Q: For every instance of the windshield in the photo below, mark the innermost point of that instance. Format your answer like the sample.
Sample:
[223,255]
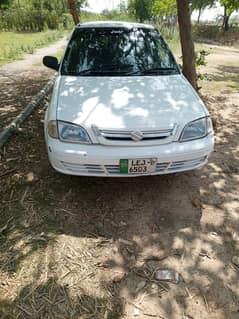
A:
[116,52]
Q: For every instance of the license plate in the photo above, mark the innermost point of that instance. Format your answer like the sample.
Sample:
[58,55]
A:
[138,166]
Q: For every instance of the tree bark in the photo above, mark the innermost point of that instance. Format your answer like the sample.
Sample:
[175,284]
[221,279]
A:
[226,26]
[73,11]
[185,29]
[226,19]
[199,15]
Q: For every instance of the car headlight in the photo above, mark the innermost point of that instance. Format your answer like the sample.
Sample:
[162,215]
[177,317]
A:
[72,133]
[196,129]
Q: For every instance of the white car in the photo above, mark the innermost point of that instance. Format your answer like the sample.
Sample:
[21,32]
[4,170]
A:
[122,107]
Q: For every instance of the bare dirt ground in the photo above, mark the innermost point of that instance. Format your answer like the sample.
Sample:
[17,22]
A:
[21,80]
[77,247]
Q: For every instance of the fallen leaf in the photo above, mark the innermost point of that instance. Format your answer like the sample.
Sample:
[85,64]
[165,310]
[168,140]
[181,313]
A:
[118,277]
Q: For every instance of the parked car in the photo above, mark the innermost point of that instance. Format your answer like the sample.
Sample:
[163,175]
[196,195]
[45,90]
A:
[122,107]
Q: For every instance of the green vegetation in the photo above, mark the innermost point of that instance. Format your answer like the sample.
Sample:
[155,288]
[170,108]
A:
[35,15]
[213,34]
[200,5]
[14,45]
[141,9]
[26,24]
[164,7]
[164,10]
[229,7]
[114,15]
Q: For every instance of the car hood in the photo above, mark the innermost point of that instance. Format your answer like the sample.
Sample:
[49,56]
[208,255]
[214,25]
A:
[133,102]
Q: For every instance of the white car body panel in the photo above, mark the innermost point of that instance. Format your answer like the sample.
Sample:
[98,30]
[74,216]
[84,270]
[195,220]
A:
[139,102]
[99,160]
[126,104]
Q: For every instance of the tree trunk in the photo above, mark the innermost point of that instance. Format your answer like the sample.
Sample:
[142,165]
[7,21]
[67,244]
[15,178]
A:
[199,15]
[226,18]
[185,29]
[73,11]
[226,24]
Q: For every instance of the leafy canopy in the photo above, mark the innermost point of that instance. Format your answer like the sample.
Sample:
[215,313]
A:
[164,7]
[141,9]
[201,4]
[230,5]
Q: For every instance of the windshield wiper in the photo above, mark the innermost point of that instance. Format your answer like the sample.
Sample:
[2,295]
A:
[89,72]
[152,71]
[110,67]
[94,72]
[84,72]
[75,73]
[158,70]
[112,70]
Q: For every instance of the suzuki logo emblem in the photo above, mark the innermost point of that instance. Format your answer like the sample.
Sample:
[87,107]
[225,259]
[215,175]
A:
[137,136]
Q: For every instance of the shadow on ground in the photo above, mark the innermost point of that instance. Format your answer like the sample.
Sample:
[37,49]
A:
[17,91]
[89,247]
[229,74]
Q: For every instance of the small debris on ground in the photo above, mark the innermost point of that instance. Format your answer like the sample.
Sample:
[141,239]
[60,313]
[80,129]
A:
[7,173]
[5,227]
[41,237]
[204,253]
[136,312]
[167,275]
[122,224]
[197,203]
[125,242]
[140,286]
[235,261]
[103,265]
[31,177]
[118,277]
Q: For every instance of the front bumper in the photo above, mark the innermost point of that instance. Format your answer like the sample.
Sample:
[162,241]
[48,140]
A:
[100,160]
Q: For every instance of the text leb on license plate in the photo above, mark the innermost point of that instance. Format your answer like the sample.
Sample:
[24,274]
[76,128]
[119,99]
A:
[138,166]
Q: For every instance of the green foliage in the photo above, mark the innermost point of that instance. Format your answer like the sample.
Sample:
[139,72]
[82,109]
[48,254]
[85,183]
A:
[230,5]
[22,43]
[29,20]
[141,9]
[201,4]
[80,4]
[205,31]
[4,4]
[164,7]
[35,15]
[201,58]
[114,15]
[201,61]
[214,34]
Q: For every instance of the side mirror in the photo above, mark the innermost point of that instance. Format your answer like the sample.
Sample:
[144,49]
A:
[51,62]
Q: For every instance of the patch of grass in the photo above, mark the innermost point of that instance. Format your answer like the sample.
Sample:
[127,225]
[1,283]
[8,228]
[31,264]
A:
[59,54]
[174,45]
[15,45]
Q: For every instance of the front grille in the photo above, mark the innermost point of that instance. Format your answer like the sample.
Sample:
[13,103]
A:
[126,135]
[114,170]
[84,168]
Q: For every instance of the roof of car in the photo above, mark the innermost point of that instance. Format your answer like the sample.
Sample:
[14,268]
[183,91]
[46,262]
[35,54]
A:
[114,24]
